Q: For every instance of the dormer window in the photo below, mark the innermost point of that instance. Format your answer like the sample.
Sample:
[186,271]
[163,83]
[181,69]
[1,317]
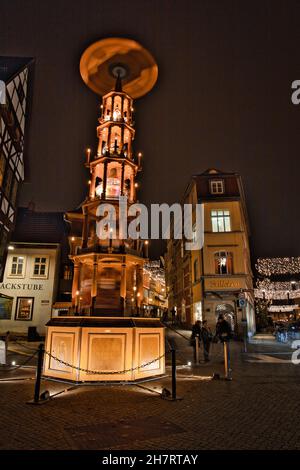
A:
[217,187]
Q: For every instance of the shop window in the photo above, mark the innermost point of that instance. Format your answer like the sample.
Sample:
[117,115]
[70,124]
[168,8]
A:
[24,308]
[6,304]
[223,263]
[220,221]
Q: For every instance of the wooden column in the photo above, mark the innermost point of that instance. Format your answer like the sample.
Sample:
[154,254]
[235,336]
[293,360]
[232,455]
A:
[131,187]
[76,277]
[85,230]
[94,280]
[123,288]
[140,285]
[93,183]
[94,285]
[122,178]
[109,139]
[103,196]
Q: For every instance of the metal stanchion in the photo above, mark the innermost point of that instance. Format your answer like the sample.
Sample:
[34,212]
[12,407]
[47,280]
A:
[6,345]
[173,355]
[227,361]
[165,393]
[37,386]
[197,349]
[38,398]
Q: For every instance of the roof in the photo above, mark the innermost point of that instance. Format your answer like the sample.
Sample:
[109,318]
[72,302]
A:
[214,171]
[234,190]
[41,228]
[11,66]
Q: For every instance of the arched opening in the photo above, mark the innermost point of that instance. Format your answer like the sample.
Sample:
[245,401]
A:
[113,185]
[107,109]
[117,109]
[227,310]
[115,139]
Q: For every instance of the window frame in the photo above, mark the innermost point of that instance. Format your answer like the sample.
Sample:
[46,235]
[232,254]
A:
[218,218]
[216,182]
[47,263]
[11,262]
[229,266]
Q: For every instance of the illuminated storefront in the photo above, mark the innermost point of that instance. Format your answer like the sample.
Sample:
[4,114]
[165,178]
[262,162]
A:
[29,287]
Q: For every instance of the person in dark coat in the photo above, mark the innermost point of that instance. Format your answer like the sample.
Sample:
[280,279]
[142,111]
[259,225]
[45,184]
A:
[206,337]
[173,315]
[196,336]
[224,334]
[223,329]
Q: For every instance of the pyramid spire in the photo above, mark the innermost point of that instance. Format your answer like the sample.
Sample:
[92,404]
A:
[118,85]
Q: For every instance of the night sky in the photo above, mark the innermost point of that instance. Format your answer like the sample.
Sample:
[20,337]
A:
[222,100]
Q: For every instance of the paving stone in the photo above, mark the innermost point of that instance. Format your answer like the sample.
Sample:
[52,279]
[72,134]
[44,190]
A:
[259,409]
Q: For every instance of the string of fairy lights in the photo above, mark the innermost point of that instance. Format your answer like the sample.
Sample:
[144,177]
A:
[271,266]
[155,272]
[268,289]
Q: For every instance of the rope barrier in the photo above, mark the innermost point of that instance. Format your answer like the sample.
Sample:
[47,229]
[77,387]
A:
[20,365]
[24,346]
[174,329]
[101,372]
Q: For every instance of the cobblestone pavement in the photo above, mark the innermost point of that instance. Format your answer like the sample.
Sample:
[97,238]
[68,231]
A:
[258,409]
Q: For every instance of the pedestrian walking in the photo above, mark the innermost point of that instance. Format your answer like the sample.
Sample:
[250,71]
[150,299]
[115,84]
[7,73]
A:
[196,337]
[206,338]
[173,315]
[224,334]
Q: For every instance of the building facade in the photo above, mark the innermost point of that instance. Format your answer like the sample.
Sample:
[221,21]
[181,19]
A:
[38,273]
[217,278]
[29,287]
[14,77]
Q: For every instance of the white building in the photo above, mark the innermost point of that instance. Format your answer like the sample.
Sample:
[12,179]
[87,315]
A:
[29,286]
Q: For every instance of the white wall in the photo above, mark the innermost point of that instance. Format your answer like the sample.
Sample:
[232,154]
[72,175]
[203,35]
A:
[42,289]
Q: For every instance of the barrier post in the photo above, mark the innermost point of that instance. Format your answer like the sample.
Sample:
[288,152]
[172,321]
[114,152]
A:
[173,355]
[227,361]
[37,387]
[6,345]
[197,349]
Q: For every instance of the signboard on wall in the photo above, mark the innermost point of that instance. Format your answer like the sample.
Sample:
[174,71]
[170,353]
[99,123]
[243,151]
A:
[224,284]
[24,308]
